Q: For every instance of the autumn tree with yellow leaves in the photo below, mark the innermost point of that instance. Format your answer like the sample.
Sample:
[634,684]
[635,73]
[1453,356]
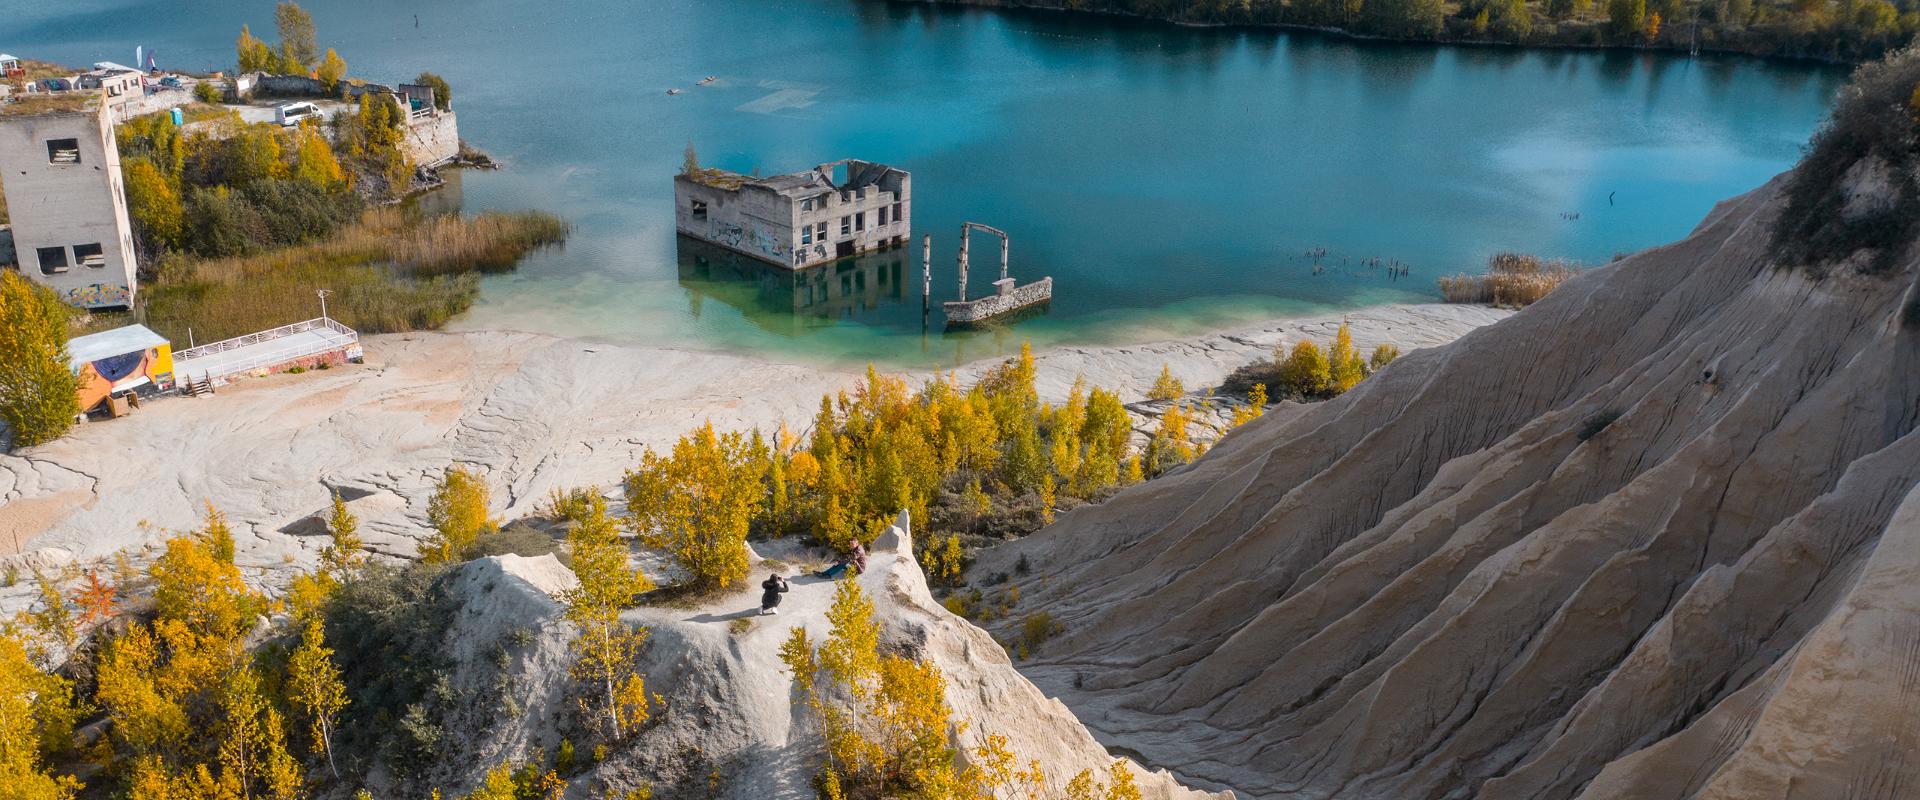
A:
[314,686]
[606,650]
[1166,387]
[458,513]
[883,718]
[697,502]
[189,715]
[37,714]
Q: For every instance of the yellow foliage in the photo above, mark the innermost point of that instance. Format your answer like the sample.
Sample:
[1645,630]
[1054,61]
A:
[458,513]
[1306,371]
[38,394]
[697,502]
[884,719]
[1166,387]
[1170,446]
[343,552]
[314,686]
[1344,364]
[944,560]
[36,718]
[332,69]
[1256,405]
[1382,356]
[607,651]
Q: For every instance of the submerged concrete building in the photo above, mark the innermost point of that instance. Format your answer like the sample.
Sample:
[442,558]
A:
[799,220]
[60,169]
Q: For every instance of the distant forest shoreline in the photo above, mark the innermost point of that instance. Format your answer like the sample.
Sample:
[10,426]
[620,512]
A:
[1847,33]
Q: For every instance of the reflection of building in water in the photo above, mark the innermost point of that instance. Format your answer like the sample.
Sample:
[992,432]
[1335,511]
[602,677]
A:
[842,288]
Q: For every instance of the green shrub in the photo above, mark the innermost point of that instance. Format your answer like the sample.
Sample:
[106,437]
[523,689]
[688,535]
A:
[1874,118]
[1036,628]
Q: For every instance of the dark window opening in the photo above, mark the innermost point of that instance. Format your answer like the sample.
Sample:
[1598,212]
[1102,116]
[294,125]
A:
[63,151]
[90,255]
[846,225]
[883,216]
[843,249]
[699,209]
[896,213]
[52,259]
[860,221]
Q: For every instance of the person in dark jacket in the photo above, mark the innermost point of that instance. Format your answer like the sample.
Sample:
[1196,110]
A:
[771,589]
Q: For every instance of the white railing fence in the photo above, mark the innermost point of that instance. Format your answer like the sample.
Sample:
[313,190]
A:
[254,351]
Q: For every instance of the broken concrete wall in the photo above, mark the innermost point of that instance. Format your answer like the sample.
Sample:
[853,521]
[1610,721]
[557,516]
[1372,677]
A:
[750,220]
[434,139]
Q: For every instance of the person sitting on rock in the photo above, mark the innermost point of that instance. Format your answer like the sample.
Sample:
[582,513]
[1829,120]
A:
[772,588]
[856,559]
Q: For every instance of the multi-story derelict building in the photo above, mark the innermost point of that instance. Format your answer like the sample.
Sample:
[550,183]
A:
[65,196]
[801,219]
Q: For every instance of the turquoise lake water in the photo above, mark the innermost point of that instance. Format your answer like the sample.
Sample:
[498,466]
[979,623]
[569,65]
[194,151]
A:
[1170,179]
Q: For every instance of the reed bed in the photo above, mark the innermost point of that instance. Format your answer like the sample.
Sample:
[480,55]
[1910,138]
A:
[1512,280]
[388,272]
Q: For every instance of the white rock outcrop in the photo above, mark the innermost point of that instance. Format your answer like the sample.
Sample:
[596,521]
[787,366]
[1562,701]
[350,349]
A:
[729,728]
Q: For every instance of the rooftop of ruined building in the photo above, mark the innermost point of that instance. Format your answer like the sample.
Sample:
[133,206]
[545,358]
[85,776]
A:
[26,105]
[794,184]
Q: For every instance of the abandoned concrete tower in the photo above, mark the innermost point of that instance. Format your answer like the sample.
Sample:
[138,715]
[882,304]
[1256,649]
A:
[831,211]
[60,168]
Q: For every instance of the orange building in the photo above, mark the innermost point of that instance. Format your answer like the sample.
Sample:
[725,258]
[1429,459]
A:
[130,359]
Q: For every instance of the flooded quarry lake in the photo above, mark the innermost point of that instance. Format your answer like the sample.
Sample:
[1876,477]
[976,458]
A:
[1169,179]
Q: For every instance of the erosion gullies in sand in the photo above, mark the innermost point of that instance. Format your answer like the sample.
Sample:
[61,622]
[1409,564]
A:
[726,726]
[1653,537]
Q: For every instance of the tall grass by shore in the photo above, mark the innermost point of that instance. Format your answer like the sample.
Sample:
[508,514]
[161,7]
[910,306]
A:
[1512,280]
[388,272]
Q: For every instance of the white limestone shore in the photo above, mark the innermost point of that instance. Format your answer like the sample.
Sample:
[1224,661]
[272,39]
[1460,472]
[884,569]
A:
[531,412]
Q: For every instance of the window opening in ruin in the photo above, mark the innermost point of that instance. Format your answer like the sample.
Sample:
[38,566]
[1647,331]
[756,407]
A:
[90,255]
[63,151]
[52,259]
[699,209]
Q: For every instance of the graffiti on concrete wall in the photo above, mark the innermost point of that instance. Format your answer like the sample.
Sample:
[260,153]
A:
[750,238]
[99,295]
[102,377]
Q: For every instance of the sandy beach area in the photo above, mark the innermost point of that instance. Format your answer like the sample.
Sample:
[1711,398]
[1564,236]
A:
[531,412]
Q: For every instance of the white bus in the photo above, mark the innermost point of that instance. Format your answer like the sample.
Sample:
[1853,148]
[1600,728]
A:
[290,114]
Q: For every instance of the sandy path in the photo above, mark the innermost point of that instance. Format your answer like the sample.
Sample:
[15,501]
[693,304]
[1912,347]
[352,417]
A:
[532,412]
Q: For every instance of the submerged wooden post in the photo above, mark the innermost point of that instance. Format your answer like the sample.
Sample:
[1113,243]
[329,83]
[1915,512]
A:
[963,261]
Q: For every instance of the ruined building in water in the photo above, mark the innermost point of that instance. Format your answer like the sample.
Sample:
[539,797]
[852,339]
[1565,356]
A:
[60,169]
[797,220]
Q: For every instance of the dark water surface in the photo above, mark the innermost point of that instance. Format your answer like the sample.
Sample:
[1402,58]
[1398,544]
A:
[1170,179]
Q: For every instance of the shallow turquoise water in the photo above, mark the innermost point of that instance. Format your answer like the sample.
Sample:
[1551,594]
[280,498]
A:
[1170,179]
